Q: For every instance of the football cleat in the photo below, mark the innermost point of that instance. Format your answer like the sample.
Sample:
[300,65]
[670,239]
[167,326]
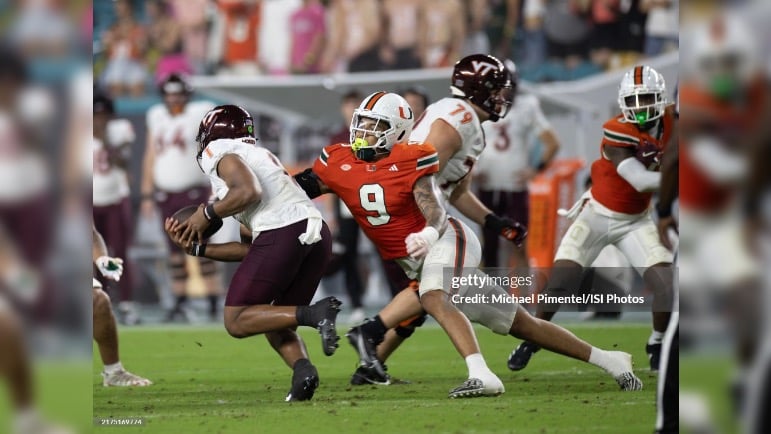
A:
[654,355]
[123,378]
[367,349]
[520,357]
[627,380]
[474,387]
[364,375]
[326,310]
[305,381]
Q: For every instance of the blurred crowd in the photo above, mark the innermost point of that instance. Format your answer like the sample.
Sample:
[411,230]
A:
[138,42]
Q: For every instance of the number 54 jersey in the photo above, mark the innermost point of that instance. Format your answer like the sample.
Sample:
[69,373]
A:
[379,194]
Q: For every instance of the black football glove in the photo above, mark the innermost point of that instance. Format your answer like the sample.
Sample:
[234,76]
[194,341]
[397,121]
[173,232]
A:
[513,231]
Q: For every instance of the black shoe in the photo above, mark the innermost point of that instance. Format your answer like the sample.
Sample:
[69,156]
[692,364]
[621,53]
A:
[305,381]
[364,375]
[325,313]
[366,347]
[654,355]
[520,357]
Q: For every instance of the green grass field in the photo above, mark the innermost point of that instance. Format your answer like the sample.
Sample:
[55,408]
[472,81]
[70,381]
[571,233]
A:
[208,382]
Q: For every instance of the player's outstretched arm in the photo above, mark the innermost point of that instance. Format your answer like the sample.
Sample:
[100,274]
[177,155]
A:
[631,169]
[310,182]
[425,197]
[469,205]
[418,244]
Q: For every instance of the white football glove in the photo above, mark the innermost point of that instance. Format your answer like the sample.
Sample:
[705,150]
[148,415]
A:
[111,268]
[419,243]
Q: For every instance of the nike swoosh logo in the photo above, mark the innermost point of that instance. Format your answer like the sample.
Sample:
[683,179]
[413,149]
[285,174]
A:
[648,154]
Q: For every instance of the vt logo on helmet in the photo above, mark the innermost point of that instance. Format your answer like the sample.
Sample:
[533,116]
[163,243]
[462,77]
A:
[224,122]
[382,120]
[486,82]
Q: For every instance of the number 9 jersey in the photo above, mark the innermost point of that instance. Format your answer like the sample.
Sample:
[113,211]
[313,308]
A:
[379,194]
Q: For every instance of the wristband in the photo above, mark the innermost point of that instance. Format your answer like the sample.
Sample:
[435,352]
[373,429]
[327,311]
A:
[541,166]
[663,211]
[209,213]
[494,222]
[198,249]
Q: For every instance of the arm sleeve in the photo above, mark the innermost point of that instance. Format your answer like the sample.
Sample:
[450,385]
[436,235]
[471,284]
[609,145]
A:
[719,163]
[635,174]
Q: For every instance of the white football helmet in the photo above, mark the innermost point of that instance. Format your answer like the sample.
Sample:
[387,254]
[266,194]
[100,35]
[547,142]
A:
[386,107]
[642,95]
[722,53]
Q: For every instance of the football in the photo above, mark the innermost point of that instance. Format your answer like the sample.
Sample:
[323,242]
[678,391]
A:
[185,213]
[649,155]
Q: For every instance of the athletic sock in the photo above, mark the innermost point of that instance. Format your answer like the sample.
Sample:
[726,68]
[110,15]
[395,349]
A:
[213,304]
[304,316]
[606,360]
[655,338]
[301,363]
[477,367]
[375,329]
[181,299]
[113,368]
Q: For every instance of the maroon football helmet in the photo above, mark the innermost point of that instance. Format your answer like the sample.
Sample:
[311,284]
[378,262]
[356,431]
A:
[484,81]
[224,122]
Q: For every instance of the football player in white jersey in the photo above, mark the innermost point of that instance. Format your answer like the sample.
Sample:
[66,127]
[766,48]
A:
[172,181]
[287,250]
[112,143]
[504,167]
[482,90]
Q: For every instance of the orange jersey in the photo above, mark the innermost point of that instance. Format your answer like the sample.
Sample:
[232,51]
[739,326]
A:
[729,122]
[379,194]
[608,187]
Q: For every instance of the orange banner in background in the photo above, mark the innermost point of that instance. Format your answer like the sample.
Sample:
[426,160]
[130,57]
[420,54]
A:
[553,189]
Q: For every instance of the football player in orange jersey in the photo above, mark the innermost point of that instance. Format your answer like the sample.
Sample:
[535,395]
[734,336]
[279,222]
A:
[389,188]
[616,210]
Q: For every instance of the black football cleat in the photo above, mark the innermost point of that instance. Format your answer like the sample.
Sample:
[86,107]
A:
[325,313]
[654,355]
[366,347]
[364,376]
[520,357]
[305,381]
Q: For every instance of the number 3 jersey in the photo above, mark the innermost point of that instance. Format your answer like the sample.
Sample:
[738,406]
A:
[379,194]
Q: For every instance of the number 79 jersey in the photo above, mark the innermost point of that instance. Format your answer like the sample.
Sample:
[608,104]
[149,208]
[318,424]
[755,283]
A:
[459,114]
[379,194]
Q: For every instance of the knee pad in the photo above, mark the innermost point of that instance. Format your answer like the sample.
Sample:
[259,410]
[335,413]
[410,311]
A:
[406,328]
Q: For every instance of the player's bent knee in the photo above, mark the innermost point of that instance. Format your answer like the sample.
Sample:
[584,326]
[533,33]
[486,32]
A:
[101,300]
[235,330]
[404,331]
[490,306]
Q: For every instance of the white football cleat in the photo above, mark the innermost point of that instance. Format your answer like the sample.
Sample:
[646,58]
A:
[474,387]
[123,378]
[626,379]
